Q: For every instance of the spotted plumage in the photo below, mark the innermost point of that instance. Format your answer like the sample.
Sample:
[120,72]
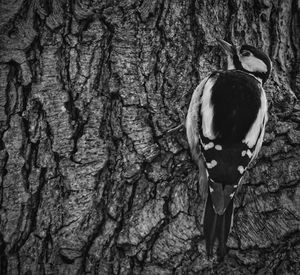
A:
[225,128]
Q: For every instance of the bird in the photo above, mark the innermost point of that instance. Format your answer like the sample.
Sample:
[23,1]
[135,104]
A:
[225,126]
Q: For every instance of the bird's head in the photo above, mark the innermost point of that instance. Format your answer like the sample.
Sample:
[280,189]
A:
[248,59]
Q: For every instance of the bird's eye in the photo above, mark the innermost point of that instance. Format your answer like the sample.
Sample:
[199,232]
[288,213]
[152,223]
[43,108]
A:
[245,53]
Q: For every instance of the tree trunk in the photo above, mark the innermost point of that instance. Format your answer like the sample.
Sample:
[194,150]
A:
[93,181]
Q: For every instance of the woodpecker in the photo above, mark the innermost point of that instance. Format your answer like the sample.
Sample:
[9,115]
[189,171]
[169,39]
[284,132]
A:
[225,126]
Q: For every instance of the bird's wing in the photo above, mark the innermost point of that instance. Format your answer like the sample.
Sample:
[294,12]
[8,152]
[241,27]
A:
[254,137]
[193,121]
[226,161]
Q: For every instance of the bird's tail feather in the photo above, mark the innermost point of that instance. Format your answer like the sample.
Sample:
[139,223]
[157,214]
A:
[209,226]
[216,227]
[224,229]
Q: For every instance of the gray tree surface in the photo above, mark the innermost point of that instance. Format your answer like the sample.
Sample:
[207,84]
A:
[91,179]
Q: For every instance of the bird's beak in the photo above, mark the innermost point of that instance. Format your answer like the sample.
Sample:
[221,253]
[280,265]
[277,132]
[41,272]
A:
[227,47]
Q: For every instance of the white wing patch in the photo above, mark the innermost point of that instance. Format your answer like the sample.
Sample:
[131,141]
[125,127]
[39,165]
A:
[192,130]
[249,154]
[208,146]
[218,147]
[207,110]
[211,164]
[258,126]
[241,169]
[192,118]
[263,126]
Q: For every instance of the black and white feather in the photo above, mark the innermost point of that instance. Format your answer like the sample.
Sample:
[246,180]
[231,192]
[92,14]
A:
[225,127]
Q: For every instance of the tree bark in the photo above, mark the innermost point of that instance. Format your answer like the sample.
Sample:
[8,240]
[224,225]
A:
[92,181]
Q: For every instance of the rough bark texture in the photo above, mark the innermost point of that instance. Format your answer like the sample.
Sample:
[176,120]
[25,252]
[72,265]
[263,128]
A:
[91,180]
